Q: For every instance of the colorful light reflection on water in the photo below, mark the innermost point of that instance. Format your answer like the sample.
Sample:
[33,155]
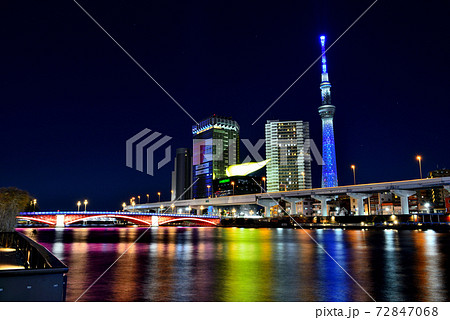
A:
[237,264]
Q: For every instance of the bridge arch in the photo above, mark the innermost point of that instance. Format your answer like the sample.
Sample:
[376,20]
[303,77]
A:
[128,218]
[188,219]
[49,222]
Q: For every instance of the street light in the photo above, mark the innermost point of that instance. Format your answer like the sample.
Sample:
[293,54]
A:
[419,158]
[139,199]
[264,183]
[173,206]
[123,206]
[159,196]
[148,198]
[232,183]
[34,204]
[85,204]
[161,208]
[133,204]
[78,205]
[208,186]
[354,173]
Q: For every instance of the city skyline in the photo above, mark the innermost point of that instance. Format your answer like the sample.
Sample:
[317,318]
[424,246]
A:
[68,108]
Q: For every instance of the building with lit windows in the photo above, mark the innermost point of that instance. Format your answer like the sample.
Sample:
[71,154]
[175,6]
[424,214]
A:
[238,185]
[215,148]
[244,178]
[287,148]
[438,195]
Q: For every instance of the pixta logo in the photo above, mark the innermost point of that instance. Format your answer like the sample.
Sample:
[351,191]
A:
[285,147]
[146,141]
[207,150]
[213,149]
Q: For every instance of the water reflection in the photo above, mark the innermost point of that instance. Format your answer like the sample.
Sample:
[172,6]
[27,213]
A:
[236,264]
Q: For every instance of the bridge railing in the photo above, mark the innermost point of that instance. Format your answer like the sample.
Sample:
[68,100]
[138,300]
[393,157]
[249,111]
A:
[34,255]
[43,277]
[113,213]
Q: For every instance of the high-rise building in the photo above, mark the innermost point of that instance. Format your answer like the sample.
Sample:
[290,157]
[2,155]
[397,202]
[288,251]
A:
[326,111]
[216,146]
[182,175]
[438,195]
[287,148]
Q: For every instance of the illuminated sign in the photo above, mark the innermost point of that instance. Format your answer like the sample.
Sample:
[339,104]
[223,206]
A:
[202,171]
[245,168]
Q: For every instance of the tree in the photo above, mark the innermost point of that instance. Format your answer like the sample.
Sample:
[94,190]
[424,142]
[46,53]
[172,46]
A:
[12,201]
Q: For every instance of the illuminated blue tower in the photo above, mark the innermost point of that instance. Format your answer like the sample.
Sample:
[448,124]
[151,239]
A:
[326,111]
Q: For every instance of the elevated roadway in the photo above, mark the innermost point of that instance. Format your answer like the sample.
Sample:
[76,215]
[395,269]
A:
[403,189]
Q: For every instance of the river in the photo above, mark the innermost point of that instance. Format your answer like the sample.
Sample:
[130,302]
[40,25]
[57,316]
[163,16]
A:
[241,264]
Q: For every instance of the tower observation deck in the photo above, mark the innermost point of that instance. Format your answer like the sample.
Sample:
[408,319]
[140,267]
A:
[326,111]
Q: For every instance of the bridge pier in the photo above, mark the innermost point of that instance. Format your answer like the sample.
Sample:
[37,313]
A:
[323,203]
[155,221]
[267,204]
[293,202]
[60,221]
[404,195]
[359,201]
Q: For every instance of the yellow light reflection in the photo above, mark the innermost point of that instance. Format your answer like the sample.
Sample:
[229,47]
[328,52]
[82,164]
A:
[244,279]
[10,267]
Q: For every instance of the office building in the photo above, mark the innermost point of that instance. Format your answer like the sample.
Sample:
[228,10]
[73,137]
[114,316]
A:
[182,175]
[438,195]
[215,148]
[287,148]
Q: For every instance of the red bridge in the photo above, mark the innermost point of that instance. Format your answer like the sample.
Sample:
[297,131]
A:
[66,218]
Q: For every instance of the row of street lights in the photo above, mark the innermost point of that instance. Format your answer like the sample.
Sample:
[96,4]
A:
[133,200]
[33,203]
[148,198]
[418,158]
[85,205]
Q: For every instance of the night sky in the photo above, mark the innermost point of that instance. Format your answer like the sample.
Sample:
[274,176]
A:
[70,97]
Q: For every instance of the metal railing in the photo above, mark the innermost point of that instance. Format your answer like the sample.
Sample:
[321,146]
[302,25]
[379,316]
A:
[33,255]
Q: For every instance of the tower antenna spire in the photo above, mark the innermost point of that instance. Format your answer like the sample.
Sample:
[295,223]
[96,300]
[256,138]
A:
[324,58]
[326,111]
[325,85]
